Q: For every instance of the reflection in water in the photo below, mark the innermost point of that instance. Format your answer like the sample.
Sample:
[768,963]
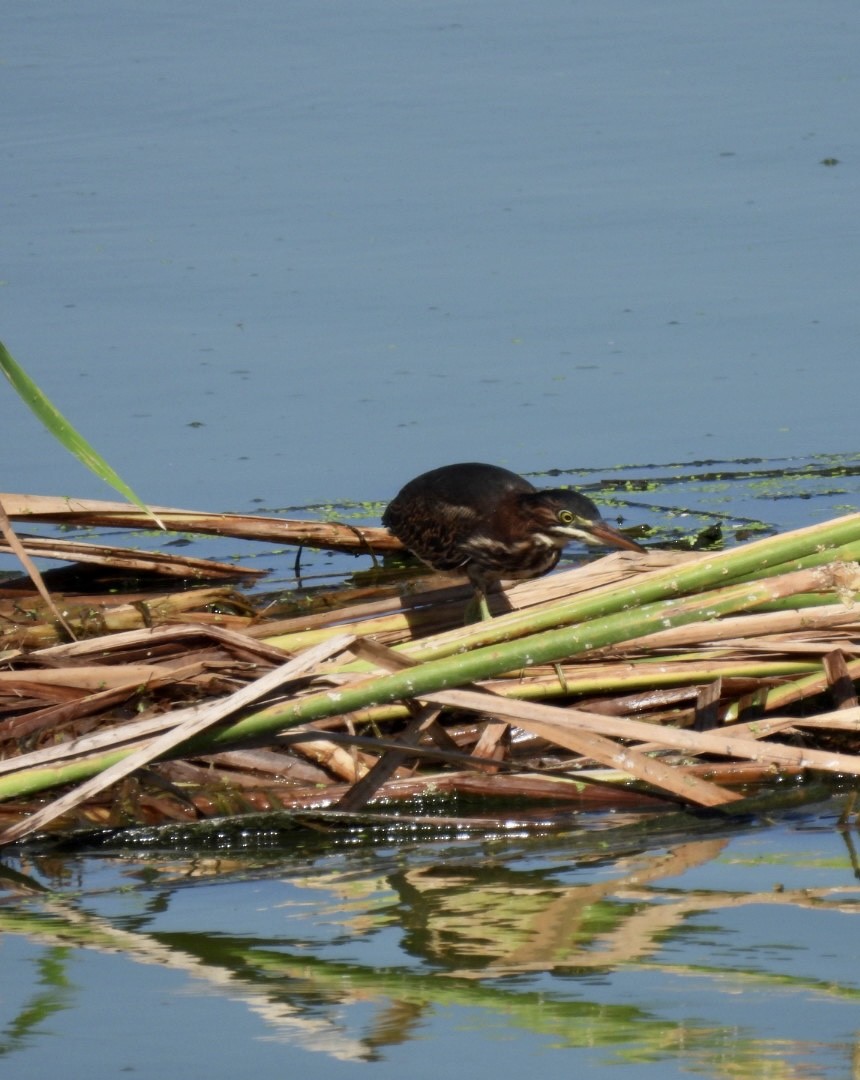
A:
[517,931]
[506,922]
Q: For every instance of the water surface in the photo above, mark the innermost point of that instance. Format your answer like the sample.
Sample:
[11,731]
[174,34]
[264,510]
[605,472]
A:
[301,252]
[675,947]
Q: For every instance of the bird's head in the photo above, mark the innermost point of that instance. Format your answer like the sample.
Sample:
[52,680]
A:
[557,516]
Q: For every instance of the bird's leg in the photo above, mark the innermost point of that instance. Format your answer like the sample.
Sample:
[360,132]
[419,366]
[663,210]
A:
[477,610]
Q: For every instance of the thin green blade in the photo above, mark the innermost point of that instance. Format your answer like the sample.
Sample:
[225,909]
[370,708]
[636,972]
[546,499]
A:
[62,430]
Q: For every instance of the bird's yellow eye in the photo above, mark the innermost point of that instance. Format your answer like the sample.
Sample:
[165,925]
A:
[565,517]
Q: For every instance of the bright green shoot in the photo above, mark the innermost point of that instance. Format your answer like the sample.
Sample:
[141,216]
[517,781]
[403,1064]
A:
[62,430]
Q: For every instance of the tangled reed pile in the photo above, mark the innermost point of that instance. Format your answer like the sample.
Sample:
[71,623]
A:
[665,678]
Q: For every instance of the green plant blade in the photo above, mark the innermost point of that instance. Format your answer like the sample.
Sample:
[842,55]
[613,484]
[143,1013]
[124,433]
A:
[62,430]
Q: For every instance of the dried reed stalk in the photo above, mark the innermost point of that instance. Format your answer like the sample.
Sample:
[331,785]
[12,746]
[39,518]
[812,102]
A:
[318,534]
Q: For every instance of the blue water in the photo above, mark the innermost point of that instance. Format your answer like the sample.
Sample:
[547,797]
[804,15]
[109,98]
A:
[356,241]
[700,951]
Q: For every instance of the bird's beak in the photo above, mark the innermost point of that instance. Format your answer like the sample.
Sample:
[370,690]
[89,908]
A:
[601,532]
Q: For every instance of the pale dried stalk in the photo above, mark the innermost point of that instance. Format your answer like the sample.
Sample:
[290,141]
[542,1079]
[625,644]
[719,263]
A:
[735,630]
[549,721]
[102,618]
[174,634]
[20,552]
[589,740]
[337,759]
[329,535]
[91,678]
[131,559]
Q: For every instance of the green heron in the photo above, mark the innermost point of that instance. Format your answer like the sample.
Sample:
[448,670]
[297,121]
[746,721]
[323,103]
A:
[490,524]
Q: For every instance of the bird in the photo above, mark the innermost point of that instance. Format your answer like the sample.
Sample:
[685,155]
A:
[490,523]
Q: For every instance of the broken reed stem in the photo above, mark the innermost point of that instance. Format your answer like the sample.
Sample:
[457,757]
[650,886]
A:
[320,534]
[545,720]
